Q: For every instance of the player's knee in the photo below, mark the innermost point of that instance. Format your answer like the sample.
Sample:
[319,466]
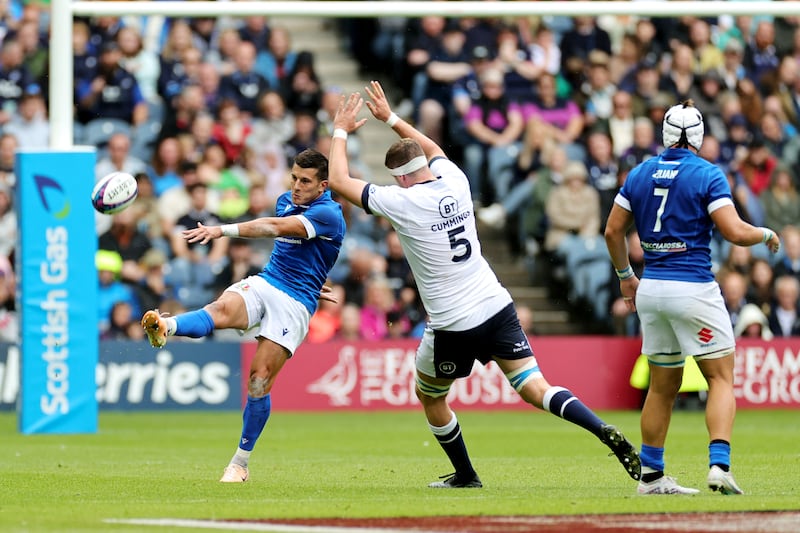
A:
[258,385]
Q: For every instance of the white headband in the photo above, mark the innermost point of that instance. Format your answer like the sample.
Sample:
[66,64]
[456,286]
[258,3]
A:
[412,166]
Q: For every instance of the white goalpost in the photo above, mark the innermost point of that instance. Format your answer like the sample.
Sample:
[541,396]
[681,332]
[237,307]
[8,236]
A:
[63,11]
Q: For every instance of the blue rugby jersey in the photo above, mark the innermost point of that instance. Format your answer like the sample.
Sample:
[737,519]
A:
[299,267]
[671,197]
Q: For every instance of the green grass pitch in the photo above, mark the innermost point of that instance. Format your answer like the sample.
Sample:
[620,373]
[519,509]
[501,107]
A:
[373,464]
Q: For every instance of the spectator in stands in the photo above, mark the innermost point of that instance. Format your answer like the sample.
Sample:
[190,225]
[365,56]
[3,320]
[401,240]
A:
[274,123]
[552,117]
[379,300]
[789,264]
[241,263]
[111,289]
[514,60]
[256,30]
[222,57]
[8,222]
[644,143]
[142,63]
[781,200]
[577,43]
[448,65]
[15,78]
[706,54]
[119,158]
[733,147]
[349,324]
[125,238]
[231,131]
[598,91]
[753,323]
[784,317]
[84,60]
[9,319]
[244,85]
[603,171]
[646,86]
[302,86]
[208,78]
[760,288]
[163,169]
[113,93]
[421,49]
[326,322]
[177,74]
[277,60]
[194,264]
[707,90]
[776,138]
[573,208]
[8,150]
[29,123]
[153,289]
[121,319]
[733,285]
[760,56]
[35,51]
[177,202]
[205,35]
[306,132]
[182,111]
[757,166]
[494,124]
[545,52]
[146,205]
[732,69]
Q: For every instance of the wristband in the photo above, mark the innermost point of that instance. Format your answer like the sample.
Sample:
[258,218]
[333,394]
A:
[392,120]
[625,273]
[230,230]
[767,235]
[339,133]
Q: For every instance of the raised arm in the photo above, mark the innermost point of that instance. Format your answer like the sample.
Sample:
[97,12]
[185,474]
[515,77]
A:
[344,122]
[380,109]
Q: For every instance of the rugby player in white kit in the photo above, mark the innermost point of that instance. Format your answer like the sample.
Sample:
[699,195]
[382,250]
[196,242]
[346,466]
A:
[471,315]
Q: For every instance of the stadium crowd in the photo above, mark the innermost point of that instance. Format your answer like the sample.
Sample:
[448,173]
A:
[545,114]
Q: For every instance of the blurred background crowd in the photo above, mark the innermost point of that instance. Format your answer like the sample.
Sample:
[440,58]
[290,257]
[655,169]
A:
[545,114]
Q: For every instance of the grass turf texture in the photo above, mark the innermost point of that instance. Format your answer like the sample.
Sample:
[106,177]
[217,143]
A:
[156,465]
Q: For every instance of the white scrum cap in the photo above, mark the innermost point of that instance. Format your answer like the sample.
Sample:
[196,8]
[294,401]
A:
[683,122]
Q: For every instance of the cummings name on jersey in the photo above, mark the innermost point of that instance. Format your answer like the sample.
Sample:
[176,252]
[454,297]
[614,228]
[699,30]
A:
[450,222]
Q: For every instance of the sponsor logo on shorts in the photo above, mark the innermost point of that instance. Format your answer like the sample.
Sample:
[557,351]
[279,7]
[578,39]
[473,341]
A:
[447,367]
[521,346]
[705,335]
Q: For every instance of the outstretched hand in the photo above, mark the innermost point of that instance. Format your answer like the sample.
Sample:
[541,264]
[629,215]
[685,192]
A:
[379,106]
[201,233]
[346,114]
[326,293]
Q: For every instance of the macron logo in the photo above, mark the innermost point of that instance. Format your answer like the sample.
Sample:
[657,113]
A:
[285,331]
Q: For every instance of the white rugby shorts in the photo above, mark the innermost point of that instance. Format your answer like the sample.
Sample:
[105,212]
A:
[279,317]
[681,319]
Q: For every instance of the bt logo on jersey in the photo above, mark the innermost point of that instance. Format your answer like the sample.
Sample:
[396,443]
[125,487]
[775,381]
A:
[448,206]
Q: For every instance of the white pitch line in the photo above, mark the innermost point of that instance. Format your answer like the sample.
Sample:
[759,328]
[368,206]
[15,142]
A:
[251,526]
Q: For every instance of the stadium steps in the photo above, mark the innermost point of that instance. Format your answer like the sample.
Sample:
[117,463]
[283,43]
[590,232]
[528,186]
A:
[550,317]
[335,67]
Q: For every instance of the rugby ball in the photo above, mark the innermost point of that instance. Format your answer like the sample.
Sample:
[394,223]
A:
[114,192]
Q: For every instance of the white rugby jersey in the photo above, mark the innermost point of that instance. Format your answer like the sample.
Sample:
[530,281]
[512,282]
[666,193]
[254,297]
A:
[436,225]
